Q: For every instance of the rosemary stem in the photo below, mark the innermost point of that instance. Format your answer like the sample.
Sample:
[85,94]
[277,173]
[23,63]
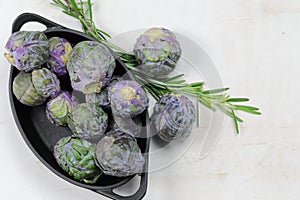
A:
[158,86]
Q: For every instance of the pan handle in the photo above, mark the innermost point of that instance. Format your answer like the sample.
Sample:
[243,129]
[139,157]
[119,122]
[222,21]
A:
[30,17]
[137,196]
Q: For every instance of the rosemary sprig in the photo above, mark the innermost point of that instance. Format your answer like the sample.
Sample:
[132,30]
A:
[213,99]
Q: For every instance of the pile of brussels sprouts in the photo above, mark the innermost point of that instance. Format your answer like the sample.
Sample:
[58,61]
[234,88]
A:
[94,148]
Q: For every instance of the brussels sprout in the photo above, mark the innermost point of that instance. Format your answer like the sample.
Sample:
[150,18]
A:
[132,125]
[60,50]
[157,51]
[88,121]
[118,154]
[128,98]
[76,157]
[58,109]
[90,67]
[102,98]
[45,82]
[27,50]
[25,92]
[173,117]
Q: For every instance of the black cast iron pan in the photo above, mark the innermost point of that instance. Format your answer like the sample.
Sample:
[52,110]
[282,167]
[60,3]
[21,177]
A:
[41,136]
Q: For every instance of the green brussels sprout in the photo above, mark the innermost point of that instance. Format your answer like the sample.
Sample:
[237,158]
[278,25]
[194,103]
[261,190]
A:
[58,108]
[88,121]
[157,51]
[173,117]
[90,66]
[27,50]
[76,157]
[60,50]
[128,99]
[25,92]
[118,154]
[45,82]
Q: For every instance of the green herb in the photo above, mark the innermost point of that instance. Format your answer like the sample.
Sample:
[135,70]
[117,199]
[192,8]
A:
[213,99]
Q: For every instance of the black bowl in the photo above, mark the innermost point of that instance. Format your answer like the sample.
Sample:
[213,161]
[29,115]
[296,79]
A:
[41,136]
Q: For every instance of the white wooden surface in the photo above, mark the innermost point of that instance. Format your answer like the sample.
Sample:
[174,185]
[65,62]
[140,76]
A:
[256,48]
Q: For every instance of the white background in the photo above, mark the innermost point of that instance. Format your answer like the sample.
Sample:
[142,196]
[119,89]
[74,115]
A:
[256,48]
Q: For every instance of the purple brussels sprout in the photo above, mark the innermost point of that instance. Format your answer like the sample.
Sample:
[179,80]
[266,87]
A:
[76,157]
[173,117]
[27,50]
[60,50]
[45,82]
[118,154]
[102,98]
[25,92]
[58,108]
[157,51]
[128,99]
[88,121]
[132,125]
[90,66]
